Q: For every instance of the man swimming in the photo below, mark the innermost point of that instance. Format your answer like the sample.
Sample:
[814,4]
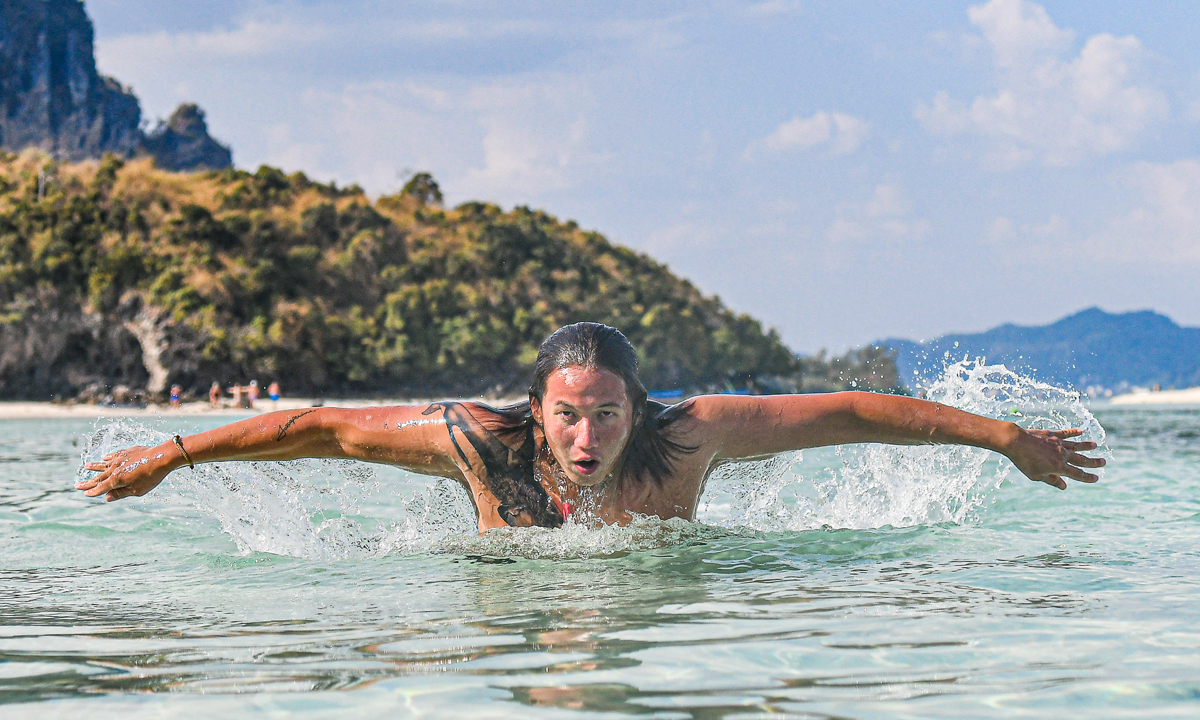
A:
[588,439]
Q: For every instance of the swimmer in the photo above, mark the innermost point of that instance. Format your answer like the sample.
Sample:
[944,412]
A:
[588,439]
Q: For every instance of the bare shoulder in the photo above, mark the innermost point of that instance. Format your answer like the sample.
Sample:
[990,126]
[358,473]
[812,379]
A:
[415,437]
[707,418]
[725,408]
[741,426]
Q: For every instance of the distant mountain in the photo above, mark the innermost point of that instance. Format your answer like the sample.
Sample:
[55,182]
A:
[1090,349]
[52,97]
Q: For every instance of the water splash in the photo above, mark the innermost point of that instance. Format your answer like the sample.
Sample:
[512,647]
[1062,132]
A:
[880,485]
[301,508]
[312,508]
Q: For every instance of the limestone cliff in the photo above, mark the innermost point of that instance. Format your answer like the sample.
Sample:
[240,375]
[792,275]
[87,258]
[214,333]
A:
[52,97]
[183,143]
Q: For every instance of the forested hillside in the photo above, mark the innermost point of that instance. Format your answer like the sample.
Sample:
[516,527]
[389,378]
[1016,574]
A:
[116,273]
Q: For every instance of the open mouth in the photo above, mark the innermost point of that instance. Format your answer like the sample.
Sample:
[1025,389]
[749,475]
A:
[586,467]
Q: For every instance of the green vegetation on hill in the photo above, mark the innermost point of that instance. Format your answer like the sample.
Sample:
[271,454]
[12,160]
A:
[116,273]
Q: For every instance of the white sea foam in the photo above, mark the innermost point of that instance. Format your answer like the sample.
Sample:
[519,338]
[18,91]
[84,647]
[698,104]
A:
[310,508]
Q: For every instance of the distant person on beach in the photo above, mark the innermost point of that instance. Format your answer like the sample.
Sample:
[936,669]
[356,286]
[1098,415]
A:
[175,391]
[273,393]
[214,395]
[236,392]
[252,394]
[589,441]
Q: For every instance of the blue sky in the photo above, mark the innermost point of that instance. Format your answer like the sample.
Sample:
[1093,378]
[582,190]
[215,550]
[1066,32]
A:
[843,171]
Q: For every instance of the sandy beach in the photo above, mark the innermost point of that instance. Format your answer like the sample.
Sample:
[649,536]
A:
[46,410]
[1162,397]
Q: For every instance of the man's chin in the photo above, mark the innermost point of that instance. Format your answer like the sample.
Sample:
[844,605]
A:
[589,480]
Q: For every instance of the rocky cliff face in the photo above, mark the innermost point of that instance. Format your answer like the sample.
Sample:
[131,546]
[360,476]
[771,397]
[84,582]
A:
[52,97]
[183,143]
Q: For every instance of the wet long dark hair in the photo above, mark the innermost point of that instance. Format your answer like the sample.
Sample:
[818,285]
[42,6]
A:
[650,453]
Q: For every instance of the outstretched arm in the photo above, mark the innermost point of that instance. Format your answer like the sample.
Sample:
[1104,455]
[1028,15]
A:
[743,427]
[401,436]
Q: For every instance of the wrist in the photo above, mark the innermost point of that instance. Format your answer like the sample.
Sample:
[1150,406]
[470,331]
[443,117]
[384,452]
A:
[1007,438]
[171,455]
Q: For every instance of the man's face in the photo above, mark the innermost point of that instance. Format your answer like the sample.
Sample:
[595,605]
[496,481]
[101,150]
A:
[587,418]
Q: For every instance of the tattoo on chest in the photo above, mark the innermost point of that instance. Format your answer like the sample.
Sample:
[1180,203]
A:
[284,428]
[506,473]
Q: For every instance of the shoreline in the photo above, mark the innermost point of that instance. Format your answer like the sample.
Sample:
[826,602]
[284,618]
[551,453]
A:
[33,410]
[1161,397]
[20,410]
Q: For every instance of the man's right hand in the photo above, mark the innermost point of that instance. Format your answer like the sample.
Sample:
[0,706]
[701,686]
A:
[133,471]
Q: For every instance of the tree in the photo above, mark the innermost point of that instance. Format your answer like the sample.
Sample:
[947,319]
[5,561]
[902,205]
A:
[424,189]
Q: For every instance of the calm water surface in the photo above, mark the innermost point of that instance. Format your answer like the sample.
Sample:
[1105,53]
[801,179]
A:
[858,583]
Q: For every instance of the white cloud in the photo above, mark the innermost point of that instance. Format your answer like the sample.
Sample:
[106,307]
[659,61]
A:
[534,134]
[1000,231]
[252,38]
[286,151]
[840,132]
[683,237]
[282,30]
[1050,107]
[1012,245]
[771,9]
[883,220]
[1021,34]
[491,140]
[1056,229]
[1164,227]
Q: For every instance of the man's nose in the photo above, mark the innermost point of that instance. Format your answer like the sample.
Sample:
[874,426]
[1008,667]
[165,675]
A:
[586,435]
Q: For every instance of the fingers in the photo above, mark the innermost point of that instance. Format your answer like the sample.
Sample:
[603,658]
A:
[1055,458]
[1081,475]
[106,473]
[1086,461]
[1061,434]
[107,486]
[108,466]
[118,493]
[105,482]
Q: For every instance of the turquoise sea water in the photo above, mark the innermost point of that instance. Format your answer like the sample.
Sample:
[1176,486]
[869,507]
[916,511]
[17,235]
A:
[862,582]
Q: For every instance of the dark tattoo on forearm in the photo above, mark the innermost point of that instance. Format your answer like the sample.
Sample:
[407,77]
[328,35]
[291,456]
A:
[507,473]
[284,428]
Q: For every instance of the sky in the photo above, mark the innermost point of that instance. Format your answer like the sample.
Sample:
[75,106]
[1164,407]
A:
[844,172]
